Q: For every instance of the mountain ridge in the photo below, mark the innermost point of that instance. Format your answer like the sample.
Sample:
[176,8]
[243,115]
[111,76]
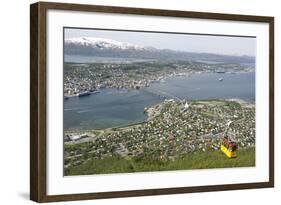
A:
[102,47]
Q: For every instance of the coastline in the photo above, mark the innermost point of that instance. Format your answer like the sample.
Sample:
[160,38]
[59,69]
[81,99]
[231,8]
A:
[159,79]
[151,114]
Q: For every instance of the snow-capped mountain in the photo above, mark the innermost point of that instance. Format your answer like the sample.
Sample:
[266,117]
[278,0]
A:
[102,43]
[101,47]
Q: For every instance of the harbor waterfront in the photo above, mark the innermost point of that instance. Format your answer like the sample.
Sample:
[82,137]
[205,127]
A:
[120,107]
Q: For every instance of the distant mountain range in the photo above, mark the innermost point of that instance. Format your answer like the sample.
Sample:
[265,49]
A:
[100,47]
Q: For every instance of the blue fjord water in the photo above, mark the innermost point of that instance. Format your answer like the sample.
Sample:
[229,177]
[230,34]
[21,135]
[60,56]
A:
[112,107]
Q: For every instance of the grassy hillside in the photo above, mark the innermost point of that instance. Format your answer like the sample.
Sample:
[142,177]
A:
[215,159]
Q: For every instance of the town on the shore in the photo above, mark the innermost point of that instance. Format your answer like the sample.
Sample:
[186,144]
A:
[85,79]
[173,129]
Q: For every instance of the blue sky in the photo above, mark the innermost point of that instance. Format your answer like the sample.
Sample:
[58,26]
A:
[184,42]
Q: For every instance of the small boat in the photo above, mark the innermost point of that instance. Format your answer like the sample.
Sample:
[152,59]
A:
[220,79]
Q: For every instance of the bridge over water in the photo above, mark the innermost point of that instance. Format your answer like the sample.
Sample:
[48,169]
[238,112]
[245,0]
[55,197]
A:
[163,94]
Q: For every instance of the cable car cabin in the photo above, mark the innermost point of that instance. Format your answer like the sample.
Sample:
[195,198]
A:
[229,147]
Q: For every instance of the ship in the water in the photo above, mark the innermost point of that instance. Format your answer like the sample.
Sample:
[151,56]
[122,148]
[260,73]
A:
[220,79]
[95,92]
[87,93]
[83,94]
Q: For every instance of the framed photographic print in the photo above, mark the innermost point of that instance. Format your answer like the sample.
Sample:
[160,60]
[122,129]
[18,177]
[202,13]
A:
[135,102]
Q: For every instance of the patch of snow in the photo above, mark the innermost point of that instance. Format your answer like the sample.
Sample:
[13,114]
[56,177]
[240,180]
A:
[103,43]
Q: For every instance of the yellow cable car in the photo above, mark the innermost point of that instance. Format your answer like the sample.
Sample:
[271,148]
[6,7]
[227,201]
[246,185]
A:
[229,147]
[228,144]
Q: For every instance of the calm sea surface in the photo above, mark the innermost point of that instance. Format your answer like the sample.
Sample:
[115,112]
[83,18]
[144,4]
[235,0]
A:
[95,59]
[111,107]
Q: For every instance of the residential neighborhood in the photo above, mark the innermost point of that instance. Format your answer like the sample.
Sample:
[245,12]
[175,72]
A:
[173,129]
